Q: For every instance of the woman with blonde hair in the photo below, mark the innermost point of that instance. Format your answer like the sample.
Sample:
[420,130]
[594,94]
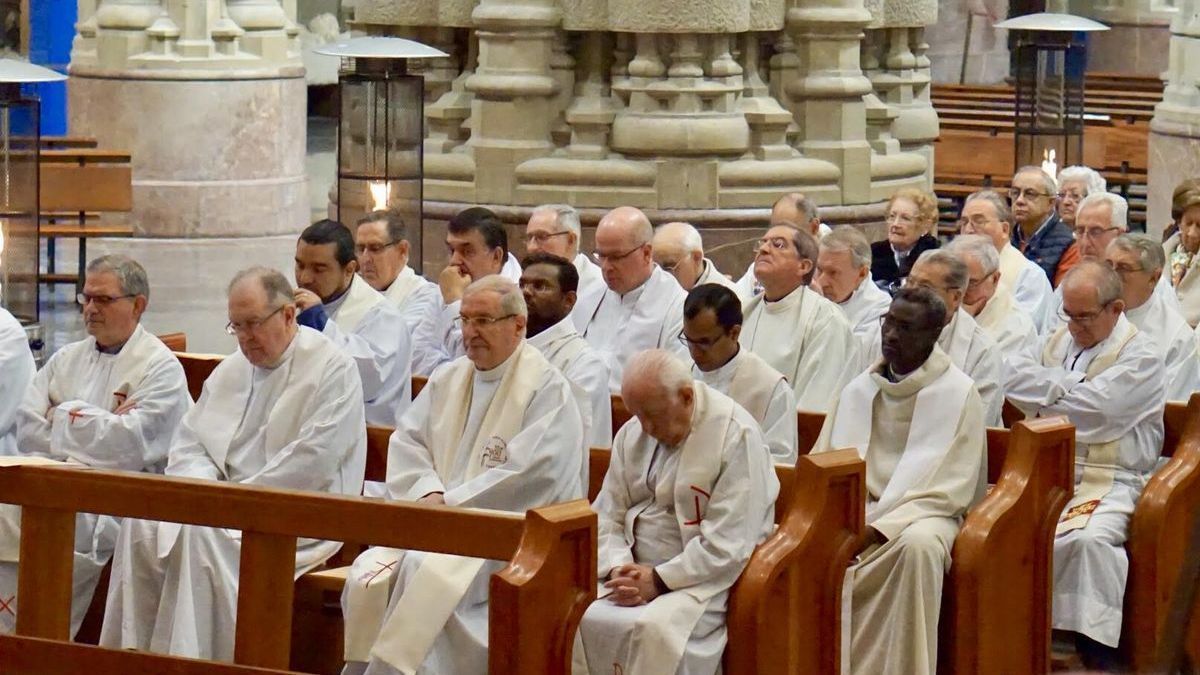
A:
[1181,250]
[911,217]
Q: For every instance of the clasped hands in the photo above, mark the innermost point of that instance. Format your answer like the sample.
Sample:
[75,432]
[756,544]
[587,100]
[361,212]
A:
[632,585]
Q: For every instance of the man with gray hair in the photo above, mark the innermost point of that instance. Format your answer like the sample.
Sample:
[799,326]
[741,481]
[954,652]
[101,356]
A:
[1107,378]
[844,278]
[795,210]
[498,428]
[1139,261]
[285,411]
[112,400]
[991,304]
[555,229]
[1038,231]
[689,493]
[679,250]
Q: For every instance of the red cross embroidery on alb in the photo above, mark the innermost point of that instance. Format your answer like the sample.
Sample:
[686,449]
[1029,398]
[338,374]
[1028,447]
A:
[6,605]
[74,415]
[371,576]
[699,511]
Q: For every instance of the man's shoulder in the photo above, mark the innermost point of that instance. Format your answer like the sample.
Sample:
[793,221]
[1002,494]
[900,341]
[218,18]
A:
[313,350]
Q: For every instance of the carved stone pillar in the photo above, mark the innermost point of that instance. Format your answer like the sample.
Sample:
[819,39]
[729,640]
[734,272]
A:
[1137,42]
[1175,130]
[899,73]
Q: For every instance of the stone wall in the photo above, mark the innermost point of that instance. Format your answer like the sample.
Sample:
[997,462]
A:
[1175,130]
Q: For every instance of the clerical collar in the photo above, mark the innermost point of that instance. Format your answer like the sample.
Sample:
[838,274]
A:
[115,349]
[635,293]
[336,300]
[498,372]
[1138,314]
[731,363]
[551,333]
[795,292]
[893,376]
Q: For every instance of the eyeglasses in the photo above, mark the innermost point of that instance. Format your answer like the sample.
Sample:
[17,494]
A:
[374,249]
[972,284]
[1072,196]
[671,267]
[900,218]
[540,238]
[478,322]
[702,345]
[777,243]
[100,300]
[1029,194]
[910,283]
[1086,317]
[250,326]
[1092,232]
[613,257]
[1125,269]
[975,225]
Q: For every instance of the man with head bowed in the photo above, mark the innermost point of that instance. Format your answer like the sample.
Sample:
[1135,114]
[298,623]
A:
[988,301]
[689,493]
[679,249]
[555,229]
[284,411]
[112,400]
[918,422]
[496,429]
[643,307]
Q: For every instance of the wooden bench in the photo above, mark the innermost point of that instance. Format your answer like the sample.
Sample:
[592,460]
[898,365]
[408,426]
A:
[540,596]
[176,342]
[197,368]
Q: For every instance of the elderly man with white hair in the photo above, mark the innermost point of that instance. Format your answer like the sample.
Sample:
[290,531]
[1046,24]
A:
[986,213]
[643,306]
[498,428]
[16,362]
[679,249]
[1139,261]
[112,400]
[689,493]
[284,411]
[555,229]
[844,278]
[987,300]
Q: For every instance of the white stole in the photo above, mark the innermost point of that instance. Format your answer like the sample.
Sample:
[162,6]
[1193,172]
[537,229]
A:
[958,339]
[359,300]
[752,384]
[804,320]
[991,318]
[128,370]
[405,283]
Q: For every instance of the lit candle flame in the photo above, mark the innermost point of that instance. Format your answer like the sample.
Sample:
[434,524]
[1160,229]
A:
[379,195]
[1048,165]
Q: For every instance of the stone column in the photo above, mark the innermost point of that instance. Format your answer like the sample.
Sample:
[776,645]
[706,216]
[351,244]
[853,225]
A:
[1175,130]
[1137,41]
[209,98]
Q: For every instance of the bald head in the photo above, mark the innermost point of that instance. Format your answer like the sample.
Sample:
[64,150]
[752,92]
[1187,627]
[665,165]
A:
[623,246]
[679,249]
[796,210]
[657,388]
[1091,302]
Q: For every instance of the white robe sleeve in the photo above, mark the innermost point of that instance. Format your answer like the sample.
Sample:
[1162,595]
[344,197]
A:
[422,312]
[672,327]
[1182,366]
[829,361]
[33,428]
[779,424]
[612,507]
[742,501]
[590,373]
[986,371]
[410,471]
[17,366]
[382,353]
[188,458]
[1032,292]
[451,343]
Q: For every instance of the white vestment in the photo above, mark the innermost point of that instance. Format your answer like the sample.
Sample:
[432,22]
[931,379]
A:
[1116,408]
[648,317]
[373,333]
[590,292]
[765,394]
[694,513]
[863,309]
[748,286]
[712,275]
[924,443]
[87,386]
[511,269]
[807,338]
[299,425]
[420,303]
[566,350]
[1176,342]
[510,438]
[16,363]
[1028,284]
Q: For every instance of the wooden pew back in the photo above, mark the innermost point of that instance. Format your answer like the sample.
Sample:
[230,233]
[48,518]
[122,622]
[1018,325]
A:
[85,179]
[176,342]
[540,596]
[197,368]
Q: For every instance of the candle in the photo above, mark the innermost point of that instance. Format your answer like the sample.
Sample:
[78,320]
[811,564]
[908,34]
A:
[1048,165]
[379,195]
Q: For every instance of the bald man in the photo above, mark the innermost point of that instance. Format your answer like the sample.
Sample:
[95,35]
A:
[643,307]
[679,249]
[793,209]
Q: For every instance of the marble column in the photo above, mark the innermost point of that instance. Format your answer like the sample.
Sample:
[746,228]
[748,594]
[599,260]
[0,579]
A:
[1175,130]
[1136,43]
[209,98]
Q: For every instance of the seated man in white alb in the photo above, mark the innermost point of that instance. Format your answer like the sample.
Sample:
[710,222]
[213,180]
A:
[16,362]
[988,300]
[335,301]
[548,284]
[986,213]
[712,321]
[382,248]
[496,429]
[844,277]
[917,421]
[794,210]
[1107,377]
[792,327]
[555,229]
[1139,261]
[963,340]
[679,249]
[284,411]
[643,307]
[111,401]
[689,493]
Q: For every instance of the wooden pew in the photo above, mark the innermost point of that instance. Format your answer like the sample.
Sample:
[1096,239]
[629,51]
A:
[197,368]
[620,414]
[540,596]
[418,384]
[176,342]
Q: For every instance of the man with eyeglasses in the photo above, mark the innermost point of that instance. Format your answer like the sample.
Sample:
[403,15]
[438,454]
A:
[989,302]
[1039,233]
[792,327]
[112,400]
[17,364]
[917,421]
[555,229]
[844,278]
[496,429]
[1139,261]
[284,411]
[643,306]
[793,209]
[1075,183]
[712,322]
[679,249]
[549,285]
[335,301]
[1108,379]
[382,250]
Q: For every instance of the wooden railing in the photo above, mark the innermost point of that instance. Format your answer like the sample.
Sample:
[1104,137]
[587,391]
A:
[540,596]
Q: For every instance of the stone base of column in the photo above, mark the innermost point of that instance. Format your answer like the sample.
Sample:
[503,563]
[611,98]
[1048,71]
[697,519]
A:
[1130,49]
[1174,154]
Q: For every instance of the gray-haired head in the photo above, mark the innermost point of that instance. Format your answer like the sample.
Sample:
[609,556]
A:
[392,221]
[512,301]
[657,368]
[684,234]
[976,247]
[1048,182]
[848,238]
[129,273]
[954,270]
[1096,275]
[1092,182]
[1118,208]
[1149,251]
[277,287]
[565,217]
[999,204]
[802,204]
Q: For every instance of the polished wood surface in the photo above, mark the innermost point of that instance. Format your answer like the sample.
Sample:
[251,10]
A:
[197,368]
[176,342]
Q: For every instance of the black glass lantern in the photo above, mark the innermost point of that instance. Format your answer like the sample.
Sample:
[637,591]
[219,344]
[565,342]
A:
[381,132]
[1049,62]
